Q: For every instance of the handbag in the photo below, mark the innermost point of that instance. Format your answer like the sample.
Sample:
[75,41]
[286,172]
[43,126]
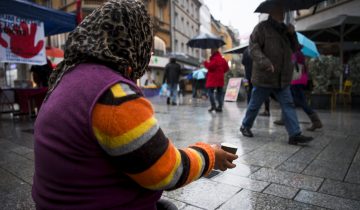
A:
[297,72]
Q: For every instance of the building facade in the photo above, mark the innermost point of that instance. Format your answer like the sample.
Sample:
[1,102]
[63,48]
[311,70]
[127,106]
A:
[185,25]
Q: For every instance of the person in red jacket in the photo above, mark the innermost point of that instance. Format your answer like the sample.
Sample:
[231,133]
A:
[217,67]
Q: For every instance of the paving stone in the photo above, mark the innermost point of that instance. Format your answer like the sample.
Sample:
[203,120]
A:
[326,201]
[353,175]
[189,207]
[178,204]
[22,150]
[341,189]
[22,168]
[292,166]
[248,200]
[327,169]
[340,151]
[204,193]
[281,191]
[264,158]
[19,198]
[242,182]
[242,169]
[288,178]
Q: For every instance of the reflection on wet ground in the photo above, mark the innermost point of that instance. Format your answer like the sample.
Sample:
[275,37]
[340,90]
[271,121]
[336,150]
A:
[270,174]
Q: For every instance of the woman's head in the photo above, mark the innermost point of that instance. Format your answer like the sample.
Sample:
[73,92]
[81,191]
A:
[117,34]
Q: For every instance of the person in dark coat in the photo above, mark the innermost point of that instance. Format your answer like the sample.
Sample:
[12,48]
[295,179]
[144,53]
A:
[271,45]
[41,73]
[217,67]
[171,77]
[247,62]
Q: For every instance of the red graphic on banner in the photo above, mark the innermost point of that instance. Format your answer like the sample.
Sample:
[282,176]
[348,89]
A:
[22,40]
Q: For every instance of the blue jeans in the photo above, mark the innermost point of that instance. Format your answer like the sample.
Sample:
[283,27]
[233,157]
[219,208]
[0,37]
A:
[297,92]
[259,95]
[173,89]
[219,98]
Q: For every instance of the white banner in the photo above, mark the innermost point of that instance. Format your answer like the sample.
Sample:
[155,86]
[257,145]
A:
[21,40]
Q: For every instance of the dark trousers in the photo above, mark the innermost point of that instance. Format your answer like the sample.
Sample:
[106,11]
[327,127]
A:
[297,92]
[219,98]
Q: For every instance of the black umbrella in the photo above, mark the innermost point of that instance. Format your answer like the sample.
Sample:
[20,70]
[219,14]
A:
[206,41]
[289,5]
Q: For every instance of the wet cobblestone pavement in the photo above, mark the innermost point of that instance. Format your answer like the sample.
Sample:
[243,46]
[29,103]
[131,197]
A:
[270,174]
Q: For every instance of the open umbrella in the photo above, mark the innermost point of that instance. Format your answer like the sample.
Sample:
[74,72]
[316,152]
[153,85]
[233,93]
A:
[56,55]
[205,41]
[289,5]
[54,52]
[308,47]
[199,74]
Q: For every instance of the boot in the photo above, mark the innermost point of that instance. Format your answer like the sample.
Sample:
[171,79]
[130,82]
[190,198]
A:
[316,123]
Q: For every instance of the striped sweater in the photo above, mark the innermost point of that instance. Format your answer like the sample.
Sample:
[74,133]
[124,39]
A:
[126,128]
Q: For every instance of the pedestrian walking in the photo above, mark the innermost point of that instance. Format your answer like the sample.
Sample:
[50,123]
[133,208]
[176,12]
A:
[247,62]
[297,91]
[272,72]
[171,77]
[98,144]
[217,67]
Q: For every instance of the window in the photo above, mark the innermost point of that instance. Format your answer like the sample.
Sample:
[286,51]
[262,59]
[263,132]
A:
[182,47]
[63,2]
[161,13]
[176,45]
[176,19]
[159,45]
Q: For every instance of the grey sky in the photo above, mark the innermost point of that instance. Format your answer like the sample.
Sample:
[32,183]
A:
[237,13]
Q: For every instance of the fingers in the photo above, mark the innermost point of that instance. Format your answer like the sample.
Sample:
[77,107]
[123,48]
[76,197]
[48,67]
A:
[33,28]
[24,28]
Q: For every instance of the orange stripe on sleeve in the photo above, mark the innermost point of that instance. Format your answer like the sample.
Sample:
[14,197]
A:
[128,116]
[195,161]
[160,170]
[211,154]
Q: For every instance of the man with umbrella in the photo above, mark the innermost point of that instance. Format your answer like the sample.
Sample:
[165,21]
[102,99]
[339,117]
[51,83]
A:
[271,45]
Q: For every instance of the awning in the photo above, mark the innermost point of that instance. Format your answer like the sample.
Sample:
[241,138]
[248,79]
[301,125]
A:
[334,29]
[55,22]
[238,49]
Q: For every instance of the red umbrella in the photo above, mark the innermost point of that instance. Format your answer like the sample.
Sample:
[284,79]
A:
[54,52]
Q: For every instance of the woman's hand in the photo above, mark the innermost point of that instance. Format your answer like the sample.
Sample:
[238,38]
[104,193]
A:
[223,159]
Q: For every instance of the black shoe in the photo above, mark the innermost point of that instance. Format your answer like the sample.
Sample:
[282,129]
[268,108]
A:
[300,139]
[279,122]
[218,109]
[246,132]
[168,101]
[173,103]
[265,114]
[212,109]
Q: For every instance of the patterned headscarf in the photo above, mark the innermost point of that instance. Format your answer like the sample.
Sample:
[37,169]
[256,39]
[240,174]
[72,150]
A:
[118,35]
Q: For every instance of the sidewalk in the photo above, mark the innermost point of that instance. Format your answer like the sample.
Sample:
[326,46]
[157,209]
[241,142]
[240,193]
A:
[270,174]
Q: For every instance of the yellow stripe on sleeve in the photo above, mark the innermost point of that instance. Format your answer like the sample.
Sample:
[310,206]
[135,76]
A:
[118,91]
[112,142]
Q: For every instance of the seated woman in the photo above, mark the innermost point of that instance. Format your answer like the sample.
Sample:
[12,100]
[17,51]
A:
[98,144]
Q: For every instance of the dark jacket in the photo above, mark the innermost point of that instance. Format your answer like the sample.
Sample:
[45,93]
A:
[172,73]
[247,62]
[217,67]
[271,44]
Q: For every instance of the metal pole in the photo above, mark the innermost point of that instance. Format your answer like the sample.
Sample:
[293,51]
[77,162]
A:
[341,56]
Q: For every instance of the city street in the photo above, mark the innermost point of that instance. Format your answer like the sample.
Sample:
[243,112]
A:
[270,173]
